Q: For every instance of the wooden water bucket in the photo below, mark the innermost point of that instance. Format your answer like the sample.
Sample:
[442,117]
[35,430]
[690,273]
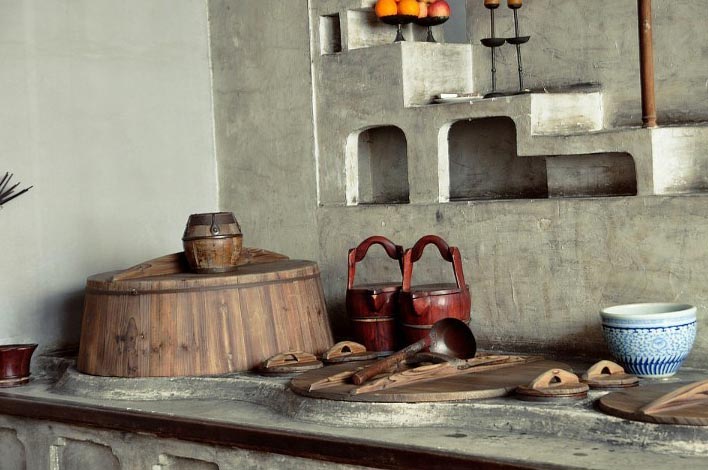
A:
[212,242]
[423,305]
[158,319]
[373,308]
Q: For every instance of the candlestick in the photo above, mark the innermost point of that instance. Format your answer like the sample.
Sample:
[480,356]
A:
[493,42]
[518,40]
[514,4]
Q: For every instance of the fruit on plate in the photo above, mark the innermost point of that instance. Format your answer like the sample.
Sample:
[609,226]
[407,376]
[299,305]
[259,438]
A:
[408,8]
[386,8]
[423,7]
[439,9]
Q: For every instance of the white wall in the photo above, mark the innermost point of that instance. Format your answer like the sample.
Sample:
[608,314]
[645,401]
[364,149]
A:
[106,110]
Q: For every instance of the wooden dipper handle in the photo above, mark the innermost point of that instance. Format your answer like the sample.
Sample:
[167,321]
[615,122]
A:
[382,365]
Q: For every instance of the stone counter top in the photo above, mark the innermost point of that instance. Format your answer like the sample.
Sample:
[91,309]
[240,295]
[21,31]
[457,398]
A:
[261,413]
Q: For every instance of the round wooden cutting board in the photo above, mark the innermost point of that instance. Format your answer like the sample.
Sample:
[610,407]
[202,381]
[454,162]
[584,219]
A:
[631,403]
[472,385]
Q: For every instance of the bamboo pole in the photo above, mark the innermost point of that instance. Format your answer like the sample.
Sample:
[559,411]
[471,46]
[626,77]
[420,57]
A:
[646,63]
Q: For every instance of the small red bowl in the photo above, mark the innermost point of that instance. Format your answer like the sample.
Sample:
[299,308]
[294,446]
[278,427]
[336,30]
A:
[15,364]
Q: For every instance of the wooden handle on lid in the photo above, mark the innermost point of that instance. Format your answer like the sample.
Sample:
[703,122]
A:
[603,368]
[288,358]
[689,395]
[344,348]
[554,378]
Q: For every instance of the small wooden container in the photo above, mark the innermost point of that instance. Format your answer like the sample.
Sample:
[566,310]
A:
[373,308]
[421,306]
[15,364]
[212,242]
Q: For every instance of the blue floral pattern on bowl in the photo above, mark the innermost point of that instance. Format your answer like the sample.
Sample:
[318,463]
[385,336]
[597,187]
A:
[650,351]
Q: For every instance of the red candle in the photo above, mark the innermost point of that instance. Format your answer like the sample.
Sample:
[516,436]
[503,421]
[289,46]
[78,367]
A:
[514,3]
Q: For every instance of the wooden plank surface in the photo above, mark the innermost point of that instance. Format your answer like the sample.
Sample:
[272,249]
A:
[486,384]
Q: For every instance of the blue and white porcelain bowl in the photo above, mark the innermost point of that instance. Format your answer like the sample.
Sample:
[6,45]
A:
[650,340]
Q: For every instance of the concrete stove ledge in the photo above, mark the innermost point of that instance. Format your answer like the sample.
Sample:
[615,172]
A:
[246,411]
[565,419]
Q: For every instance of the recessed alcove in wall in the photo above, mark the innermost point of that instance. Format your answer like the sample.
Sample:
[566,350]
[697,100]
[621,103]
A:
[377,166]
[483,163]
[601,174]
[330,34]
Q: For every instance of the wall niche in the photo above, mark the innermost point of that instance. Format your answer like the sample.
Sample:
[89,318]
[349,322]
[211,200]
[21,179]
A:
[593,175]
[483,163]
[378,166]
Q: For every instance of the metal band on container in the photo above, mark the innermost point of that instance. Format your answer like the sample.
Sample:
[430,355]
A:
[211,237]
[418,327]
[373,319]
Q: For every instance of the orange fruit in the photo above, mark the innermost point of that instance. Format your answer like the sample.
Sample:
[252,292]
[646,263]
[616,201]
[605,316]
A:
[385,8]
[408,7]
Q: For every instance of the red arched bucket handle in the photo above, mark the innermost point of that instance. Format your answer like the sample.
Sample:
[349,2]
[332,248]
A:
[357,254]
[449,253]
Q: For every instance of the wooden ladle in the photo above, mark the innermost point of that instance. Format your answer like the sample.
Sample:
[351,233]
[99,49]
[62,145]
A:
[448,336]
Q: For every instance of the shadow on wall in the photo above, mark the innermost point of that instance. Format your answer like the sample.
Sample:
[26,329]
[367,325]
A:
[484,164]
[71,306]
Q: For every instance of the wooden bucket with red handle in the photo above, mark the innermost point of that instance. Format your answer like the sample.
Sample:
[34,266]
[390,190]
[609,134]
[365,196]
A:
[373,308]
[421,306]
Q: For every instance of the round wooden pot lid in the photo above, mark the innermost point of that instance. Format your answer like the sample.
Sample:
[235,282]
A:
[607,374]
[676,403]
[552,385]
[334,383]
[293,362]
[347,351]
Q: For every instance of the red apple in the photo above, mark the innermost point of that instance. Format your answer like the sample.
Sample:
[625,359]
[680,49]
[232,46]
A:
[439,8]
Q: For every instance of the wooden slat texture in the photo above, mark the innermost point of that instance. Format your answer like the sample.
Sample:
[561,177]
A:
[180,324]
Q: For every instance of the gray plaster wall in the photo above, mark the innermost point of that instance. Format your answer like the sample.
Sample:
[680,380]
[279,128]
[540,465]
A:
[539,270]
[107,111]
[264,121]
[596,41]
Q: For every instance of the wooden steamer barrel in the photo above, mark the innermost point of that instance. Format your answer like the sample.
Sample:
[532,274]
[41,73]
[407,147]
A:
[158,320]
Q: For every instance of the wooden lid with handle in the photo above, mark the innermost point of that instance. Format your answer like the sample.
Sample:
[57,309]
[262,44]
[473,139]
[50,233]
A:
[555,383]
[607,374]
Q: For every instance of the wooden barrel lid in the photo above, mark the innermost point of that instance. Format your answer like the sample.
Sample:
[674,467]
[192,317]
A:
[244,276]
